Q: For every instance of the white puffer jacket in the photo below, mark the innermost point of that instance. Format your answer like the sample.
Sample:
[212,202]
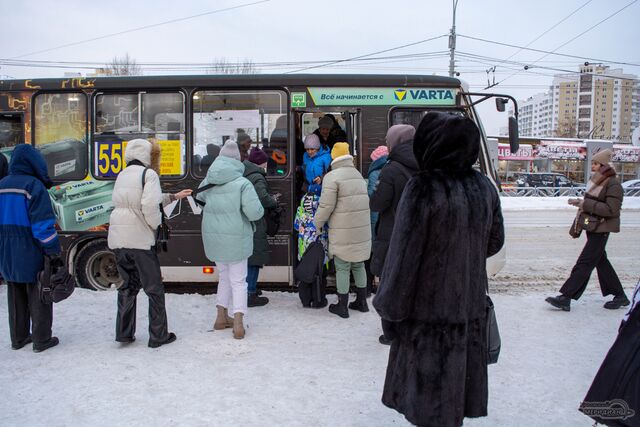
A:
[136,214]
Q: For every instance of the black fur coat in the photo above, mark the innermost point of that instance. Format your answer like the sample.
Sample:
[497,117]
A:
[434,279]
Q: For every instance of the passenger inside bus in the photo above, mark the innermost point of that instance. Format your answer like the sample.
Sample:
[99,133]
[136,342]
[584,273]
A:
[212,152]
[324,131]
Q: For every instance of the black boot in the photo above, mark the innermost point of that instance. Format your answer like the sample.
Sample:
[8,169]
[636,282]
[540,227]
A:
[52,342]
[341,307]
[617,302]
[384,340]
[20,344]
[170,338]
[562,302]
[360,303]
[253,300]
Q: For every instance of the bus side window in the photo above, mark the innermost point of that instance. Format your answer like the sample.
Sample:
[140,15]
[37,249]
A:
[255,118]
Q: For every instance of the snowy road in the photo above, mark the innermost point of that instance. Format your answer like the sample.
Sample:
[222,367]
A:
[309,368]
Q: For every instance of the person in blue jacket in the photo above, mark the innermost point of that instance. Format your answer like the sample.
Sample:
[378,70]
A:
[315,163]
[27,234]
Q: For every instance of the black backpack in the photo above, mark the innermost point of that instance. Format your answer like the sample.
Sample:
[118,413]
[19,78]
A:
[55,284]
[273,218]
[308,276]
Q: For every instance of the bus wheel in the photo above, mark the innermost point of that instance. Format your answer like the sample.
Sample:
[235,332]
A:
[96,267]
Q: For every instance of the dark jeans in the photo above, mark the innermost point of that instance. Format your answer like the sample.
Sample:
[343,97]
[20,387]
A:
[593,256]
[140,269]
[27,314]
[252,278]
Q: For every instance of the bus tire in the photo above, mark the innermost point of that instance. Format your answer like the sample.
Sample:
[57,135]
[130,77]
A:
[95,267]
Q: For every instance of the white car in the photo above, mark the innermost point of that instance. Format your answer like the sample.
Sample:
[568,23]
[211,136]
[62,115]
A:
[632,183]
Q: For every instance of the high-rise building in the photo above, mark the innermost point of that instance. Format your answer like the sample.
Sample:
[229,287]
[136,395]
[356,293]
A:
[597,103]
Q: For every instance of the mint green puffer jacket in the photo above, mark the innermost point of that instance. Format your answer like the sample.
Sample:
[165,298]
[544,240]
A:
[227,232]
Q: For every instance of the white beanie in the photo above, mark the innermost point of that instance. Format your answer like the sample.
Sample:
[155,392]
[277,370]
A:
[312,141]
[230,149]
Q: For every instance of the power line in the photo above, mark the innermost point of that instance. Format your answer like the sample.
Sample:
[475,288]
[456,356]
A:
[366,55]
[171,21]
[548,30]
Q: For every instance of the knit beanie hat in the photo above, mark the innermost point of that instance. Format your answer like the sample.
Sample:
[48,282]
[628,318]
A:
[230,149]
[603,157]
[339,149]
[258,156]
[312,141]
[399,133]
[381,151]
[325,122]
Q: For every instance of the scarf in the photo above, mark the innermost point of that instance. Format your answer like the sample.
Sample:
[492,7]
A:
[599,180]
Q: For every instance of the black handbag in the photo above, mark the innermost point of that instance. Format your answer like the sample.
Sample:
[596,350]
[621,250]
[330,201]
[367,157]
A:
[493,334]
[589,222]
[163,231]
[55,284]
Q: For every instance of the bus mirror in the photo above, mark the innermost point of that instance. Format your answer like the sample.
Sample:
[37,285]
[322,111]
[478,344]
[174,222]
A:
[514,138]
[501,104]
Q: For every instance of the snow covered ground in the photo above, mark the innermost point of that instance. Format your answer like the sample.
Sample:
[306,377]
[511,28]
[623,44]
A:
[545,203]
[295,367]
[301,367]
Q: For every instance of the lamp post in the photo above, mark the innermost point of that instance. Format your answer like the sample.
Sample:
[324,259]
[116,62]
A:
[452,42]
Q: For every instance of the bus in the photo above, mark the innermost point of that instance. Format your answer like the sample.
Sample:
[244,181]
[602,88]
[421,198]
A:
[81,125]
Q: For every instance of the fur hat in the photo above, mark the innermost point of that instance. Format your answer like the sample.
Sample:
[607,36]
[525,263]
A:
[339,149]
[381,151]
[312,141]
[398,134]
[325,122]
[603,157]
[258,156]
[230,149]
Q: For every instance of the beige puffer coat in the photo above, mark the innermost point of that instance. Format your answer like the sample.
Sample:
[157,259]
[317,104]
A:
[136,214]
[344,204]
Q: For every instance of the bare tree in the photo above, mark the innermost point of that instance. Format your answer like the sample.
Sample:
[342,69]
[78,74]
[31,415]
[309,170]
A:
[566,128]
[222,66]
[123,66]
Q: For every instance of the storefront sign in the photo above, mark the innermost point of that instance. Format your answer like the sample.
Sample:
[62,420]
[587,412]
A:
[525,152]
[626,153]
[382,96]
[561,150]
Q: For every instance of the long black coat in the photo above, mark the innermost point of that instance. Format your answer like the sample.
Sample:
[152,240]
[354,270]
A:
[433,283]
[256,175]
[393,177]
[619,374]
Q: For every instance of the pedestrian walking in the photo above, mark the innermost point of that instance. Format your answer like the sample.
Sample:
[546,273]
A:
[401,165]
[255,170]
[433,286]
[27,234]
[344,205]
[600,206]
[315,163]
[619,375]
[227,233]
[138,200]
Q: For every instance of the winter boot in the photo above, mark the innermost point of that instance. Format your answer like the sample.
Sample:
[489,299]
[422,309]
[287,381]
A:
[238,327]
[617,302]
[384,340]
[52,342]
[20,344]
[340,308]
[562,302]
[254,300]
[170,338]
[360,303]
[223,320]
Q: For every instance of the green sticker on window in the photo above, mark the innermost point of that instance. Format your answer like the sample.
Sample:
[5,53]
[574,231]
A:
[299,99]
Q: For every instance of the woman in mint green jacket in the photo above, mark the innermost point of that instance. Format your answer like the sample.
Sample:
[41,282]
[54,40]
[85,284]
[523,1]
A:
[227,233]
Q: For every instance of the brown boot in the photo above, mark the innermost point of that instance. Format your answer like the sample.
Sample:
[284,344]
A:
[238,327]
[223,320]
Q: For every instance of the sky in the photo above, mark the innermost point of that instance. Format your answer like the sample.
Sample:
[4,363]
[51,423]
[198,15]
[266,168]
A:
[271,31]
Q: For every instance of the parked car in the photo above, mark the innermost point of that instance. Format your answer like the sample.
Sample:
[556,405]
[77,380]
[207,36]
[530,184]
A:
[549,184]
[632,183]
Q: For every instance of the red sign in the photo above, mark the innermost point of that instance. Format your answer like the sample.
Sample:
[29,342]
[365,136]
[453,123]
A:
[562,150]
[626,153]
[525,152]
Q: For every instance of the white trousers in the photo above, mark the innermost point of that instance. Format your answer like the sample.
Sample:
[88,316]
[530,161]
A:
[232,286]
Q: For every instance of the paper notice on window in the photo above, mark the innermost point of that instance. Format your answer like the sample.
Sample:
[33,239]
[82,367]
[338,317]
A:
[225,122]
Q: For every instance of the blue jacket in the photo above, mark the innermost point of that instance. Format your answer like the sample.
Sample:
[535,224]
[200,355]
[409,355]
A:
[373,176]
[316,166]
[27,220]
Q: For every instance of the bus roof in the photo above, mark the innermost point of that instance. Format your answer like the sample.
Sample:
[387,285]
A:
[235,80]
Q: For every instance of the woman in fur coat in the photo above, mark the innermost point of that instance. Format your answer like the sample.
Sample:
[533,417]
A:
[434,279]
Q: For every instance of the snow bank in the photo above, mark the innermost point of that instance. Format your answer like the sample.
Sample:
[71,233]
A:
[296,366]
[543,203]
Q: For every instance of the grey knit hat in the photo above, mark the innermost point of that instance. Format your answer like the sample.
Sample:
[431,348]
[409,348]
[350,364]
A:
[230,149]
[398,134]
[312,141]
[325,122]
[603,157]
